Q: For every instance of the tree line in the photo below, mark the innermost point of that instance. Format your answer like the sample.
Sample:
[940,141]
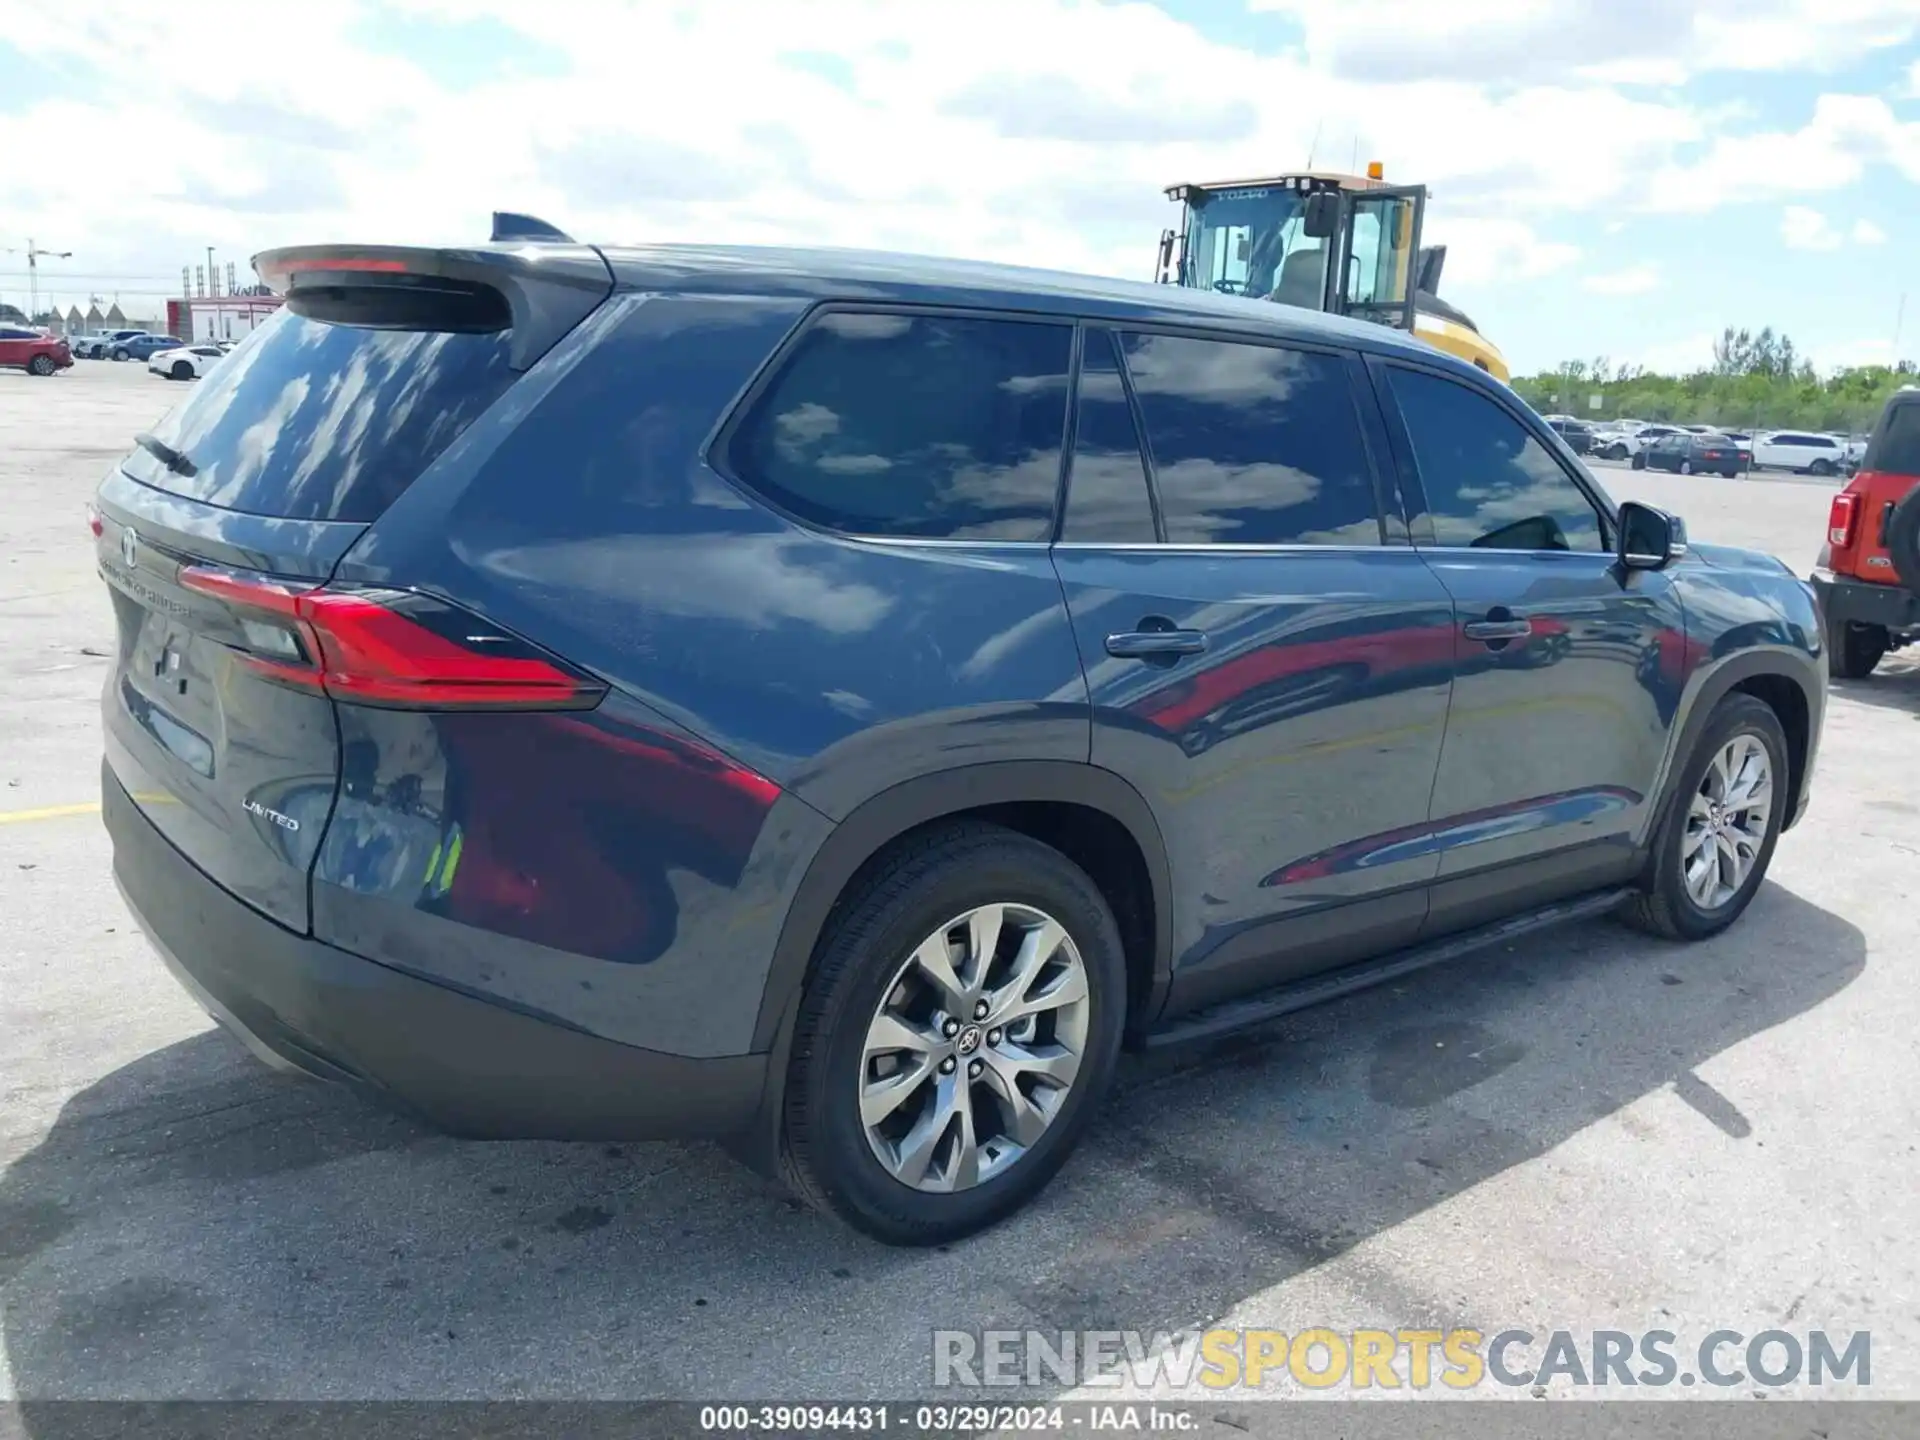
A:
[1758,380]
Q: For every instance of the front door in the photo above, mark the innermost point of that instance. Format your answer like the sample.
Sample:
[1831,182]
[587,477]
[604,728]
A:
[1560,722]
[1268,673]
[1374,274]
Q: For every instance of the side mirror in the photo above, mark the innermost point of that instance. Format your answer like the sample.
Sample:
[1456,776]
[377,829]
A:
[1166,255]
[1321,220]
[1649,539]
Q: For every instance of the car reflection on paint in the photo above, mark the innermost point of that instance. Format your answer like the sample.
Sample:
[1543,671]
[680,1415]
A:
[1293,676]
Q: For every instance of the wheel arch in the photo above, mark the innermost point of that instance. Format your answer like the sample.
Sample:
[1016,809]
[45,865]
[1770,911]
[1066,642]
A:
[996,791]
[1788,683]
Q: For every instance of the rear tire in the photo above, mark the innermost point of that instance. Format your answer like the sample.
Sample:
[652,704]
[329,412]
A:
[122,355]
[41,365]
[1639,462]
[865,973]
[1854,649]
[1686,467]
[1903,540]
[182,370]
[1666,904]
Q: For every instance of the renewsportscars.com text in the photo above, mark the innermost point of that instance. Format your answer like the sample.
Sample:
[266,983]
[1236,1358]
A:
[1458,1359]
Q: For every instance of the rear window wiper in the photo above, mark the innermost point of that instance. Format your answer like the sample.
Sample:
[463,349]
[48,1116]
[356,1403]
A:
[173,459]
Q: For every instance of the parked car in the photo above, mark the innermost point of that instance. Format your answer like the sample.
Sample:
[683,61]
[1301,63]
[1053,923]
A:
[1577,433]
[1799,450]
[95,347]
[34,351]
[1868,573]
[1686,453]
[1625,446]
[140,347]
[189,362]
[934,690]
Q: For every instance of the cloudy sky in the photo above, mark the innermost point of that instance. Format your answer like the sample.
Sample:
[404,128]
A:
[1617,177]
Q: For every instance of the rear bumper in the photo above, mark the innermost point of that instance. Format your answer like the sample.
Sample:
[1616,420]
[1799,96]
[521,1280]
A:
[462,1065]
[1862,602]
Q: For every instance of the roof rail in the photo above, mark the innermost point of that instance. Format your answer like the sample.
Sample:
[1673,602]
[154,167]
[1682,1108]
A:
[510,225]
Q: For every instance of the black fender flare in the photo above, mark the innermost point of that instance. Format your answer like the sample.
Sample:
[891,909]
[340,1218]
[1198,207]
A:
[881,819]
[1799,667]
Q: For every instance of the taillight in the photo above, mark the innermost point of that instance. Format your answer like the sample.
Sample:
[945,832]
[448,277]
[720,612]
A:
[94,523]
[1712,455]
[1840,518]
[397,649]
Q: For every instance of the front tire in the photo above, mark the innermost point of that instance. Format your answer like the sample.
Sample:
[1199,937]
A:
[1722,820]
[1822,468]
[961,1024]
[122,355]
[1853,649]
[41,365]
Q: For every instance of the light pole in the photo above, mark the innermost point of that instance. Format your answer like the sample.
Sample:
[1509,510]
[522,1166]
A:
[33,254]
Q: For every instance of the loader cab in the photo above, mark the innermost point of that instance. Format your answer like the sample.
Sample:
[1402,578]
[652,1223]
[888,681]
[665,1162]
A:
[1335,243]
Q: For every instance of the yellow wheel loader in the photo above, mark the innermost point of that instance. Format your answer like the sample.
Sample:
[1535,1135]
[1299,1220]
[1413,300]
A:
[1344,244]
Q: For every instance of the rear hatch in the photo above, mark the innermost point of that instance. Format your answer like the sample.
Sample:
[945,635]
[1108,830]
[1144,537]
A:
[218,531]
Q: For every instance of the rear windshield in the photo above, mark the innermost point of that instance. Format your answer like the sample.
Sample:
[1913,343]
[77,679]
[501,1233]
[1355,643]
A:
[1895,446]
[313,421]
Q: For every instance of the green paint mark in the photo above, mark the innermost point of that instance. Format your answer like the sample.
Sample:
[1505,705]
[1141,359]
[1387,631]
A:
[433,864]
[453,860]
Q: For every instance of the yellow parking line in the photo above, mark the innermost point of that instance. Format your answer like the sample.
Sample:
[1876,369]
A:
[48,812]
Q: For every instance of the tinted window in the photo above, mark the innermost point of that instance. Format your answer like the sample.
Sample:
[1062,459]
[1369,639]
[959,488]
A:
[1489,482]
[1107,499]
[1252,444]
[1895,446]
[922,426]
[325,422]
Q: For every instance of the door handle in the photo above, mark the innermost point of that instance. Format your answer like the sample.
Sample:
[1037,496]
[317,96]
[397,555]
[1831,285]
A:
[1498,631]
[1156,644]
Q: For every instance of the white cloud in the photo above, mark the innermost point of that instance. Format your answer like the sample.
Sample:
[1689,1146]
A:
[1651,42]
[1805,229]
[1865,232]
[1846,354]
[1634,280]
[1537,123]
[1681,356]
[1830,152]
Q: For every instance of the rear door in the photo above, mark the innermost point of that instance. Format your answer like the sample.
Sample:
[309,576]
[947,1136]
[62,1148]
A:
[1559,722]
[14,343]
[213,536]
[1265,670]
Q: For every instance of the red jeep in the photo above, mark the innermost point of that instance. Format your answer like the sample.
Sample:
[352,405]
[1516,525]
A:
[1868,577]
[33,351]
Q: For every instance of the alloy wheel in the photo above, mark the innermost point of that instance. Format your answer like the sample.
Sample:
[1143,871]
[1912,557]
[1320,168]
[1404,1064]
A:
[974,1047]
[1727,822]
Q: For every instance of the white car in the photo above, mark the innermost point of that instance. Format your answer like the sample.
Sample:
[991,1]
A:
[189,362]
[1627,444]
[1800,450]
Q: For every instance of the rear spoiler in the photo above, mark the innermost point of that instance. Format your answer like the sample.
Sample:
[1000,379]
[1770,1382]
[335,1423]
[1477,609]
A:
[539,293]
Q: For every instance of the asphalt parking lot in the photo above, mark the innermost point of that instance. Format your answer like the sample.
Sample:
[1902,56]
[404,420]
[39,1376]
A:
[1585,1130]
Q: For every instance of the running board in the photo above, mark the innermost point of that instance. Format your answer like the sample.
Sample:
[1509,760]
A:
[1243,1014]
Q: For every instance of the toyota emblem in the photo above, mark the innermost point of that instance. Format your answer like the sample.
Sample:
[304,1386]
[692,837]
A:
[130,548]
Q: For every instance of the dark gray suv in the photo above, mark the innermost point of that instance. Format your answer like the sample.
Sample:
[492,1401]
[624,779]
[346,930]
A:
[835,701]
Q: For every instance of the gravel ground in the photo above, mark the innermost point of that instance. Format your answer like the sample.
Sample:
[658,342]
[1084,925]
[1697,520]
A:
[1584,1130]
